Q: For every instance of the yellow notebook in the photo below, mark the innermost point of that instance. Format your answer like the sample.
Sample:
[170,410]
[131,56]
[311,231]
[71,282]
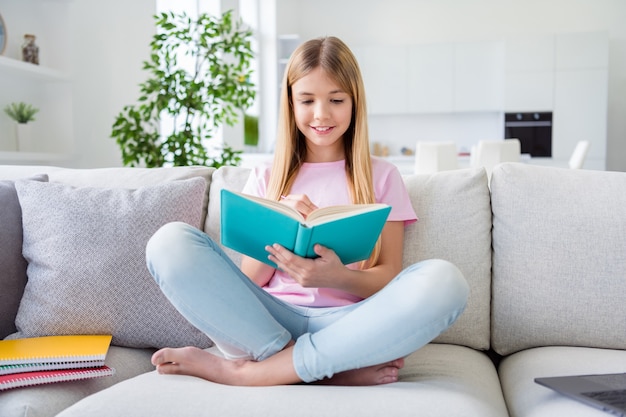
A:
[87,350]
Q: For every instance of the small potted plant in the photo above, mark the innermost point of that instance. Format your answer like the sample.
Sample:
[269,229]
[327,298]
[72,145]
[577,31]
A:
[22,113]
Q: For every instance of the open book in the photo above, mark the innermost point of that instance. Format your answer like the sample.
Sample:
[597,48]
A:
[249,223]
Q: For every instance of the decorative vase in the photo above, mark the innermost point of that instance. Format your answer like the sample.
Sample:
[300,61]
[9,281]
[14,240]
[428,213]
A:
[23,135]
[30,51]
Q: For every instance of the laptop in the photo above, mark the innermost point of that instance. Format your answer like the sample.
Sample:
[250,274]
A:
[606,392]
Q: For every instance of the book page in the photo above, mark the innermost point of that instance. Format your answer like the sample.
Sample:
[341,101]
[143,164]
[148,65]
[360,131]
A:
[318,216]
[331,213]
[275,205]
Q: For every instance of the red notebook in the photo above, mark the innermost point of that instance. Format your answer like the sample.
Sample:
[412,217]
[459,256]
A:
[25,379]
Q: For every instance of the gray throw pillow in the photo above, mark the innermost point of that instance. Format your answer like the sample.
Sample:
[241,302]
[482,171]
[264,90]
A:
[12,263]
[87,271]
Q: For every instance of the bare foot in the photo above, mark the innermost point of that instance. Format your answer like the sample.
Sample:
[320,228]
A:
[385,373]
[195,362]
[276,370]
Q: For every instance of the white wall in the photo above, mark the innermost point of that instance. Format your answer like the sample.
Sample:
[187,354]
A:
[110,41]
[403,22]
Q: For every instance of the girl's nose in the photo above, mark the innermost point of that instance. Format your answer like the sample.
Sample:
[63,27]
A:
[321,111]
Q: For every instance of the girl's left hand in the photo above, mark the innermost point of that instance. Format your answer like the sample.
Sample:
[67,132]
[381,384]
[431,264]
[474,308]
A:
[318,272]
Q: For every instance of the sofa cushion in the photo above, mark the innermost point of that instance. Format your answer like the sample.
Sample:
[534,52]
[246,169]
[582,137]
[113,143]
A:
[559,258]
[525,398]
[130,178]
[86,252]
[455,224]
[48,400]
[230,178]
[12,263]
[438,380]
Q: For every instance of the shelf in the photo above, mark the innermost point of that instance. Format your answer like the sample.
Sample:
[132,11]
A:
[32,71]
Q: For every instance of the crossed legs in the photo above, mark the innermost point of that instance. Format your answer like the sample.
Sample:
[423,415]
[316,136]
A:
[360,344]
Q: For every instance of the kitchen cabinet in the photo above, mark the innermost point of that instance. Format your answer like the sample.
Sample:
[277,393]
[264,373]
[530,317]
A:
[479,76]
[529,72]
[580,112]
[385,74]
[433,78]
[581,50]
[529,91]
[581,95]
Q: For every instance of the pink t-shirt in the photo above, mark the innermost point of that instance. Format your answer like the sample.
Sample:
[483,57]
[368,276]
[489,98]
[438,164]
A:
[325,184]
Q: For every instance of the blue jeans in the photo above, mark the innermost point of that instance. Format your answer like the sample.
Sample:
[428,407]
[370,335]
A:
[244,321]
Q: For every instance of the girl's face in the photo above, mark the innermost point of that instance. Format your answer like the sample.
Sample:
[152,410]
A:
[323,112]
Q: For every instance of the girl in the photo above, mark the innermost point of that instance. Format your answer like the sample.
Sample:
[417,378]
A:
[310,319]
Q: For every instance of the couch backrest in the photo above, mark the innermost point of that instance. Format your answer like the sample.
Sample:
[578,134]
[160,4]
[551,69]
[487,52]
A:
[455,224]
[559,258]
[191,203]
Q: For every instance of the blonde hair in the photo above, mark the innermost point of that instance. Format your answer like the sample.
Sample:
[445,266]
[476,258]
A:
[338,62]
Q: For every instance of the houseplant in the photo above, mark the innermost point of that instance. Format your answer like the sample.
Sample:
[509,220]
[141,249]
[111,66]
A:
[22,113]
[193,102]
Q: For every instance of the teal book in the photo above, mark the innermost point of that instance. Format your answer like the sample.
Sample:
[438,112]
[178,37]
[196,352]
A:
[249,224]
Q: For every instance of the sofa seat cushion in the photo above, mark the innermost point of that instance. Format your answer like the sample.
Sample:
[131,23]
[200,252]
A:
[87,272]
[48,400]
[525,398]
[438,380]
[558,257]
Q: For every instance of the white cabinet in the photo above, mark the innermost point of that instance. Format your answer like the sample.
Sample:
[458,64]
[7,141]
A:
[479,76]
[581,95]
[431,78]
[580,112]
[385,75]
[582,50]
[529,75]
[47,87]
[529,91]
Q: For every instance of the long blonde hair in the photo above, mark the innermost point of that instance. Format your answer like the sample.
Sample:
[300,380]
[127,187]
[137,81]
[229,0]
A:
[338,62]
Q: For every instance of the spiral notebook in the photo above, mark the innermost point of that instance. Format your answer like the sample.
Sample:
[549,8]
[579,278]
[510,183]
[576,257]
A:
[25,379]
[53,352]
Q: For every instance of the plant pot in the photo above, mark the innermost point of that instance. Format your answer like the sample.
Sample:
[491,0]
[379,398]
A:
[23,137]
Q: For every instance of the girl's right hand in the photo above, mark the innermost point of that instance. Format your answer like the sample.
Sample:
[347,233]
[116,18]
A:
[299,202]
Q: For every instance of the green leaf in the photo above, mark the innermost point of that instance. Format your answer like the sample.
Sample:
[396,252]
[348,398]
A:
[199,100]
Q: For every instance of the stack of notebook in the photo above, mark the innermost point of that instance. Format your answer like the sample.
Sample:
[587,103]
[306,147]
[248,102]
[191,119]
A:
[43,360]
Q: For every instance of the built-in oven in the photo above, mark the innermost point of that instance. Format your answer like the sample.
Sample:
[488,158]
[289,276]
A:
[533,129]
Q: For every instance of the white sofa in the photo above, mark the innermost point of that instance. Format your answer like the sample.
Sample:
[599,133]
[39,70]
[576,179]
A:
[544,251]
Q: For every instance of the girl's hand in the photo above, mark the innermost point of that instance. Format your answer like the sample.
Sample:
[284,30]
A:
[313,273]
[300,202]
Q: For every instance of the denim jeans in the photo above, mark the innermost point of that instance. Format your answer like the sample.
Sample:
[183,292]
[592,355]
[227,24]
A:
[244,321]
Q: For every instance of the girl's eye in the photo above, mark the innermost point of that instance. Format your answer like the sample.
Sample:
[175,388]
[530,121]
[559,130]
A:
[306,101]
[337,101]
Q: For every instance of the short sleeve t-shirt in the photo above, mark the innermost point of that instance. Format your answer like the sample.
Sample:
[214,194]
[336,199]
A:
[326,184]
